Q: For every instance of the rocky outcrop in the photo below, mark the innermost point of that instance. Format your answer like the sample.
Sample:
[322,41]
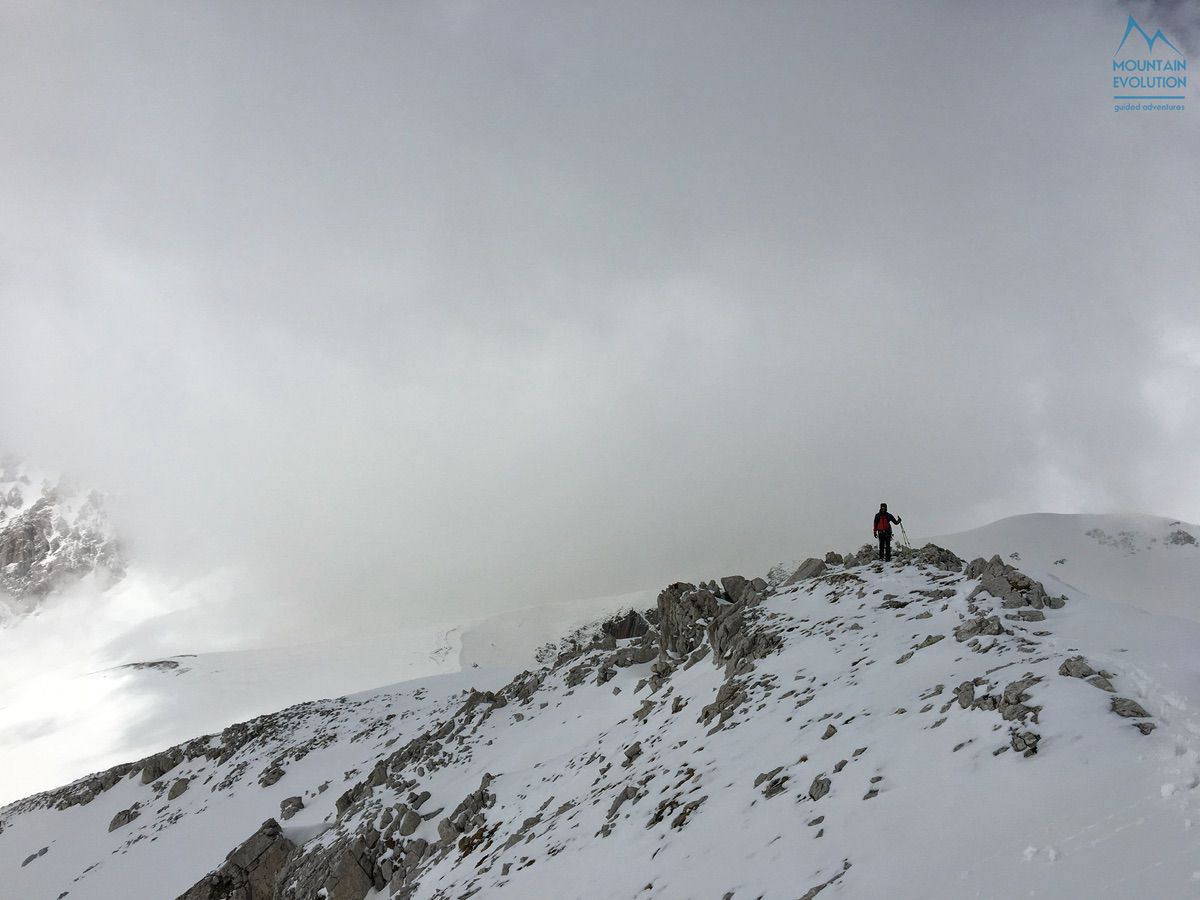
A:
[683,611]
[1013,588]
[250,871]
[630,625]
[931,555]
[690,617]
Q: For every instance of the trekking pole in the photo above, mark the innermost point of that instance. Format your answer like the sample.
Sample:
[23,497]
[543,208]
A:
[904,534]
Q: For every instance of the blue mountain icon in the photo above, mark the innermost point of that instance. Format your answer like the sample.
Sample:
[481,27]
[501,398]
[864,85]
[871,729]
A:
[1150,41]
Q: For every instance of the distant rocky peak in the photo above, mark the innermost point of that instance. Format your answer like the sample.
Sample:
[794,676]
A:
[52,533]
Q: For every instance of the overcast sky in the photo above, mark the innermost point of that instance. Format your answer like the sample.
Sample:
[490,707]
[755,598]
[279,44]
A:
[435,307]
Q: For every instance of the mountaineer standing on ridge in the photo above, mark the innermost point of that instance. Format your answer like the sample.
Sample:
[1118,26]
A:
[883,531]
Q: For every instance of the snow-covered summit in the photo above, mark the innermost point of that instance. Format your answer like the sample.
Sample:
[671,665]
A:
[924,729]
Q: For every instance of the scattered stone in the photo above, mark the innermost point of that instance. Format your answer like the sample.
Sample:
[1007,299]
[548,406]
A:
[1127,708]
[1099,681]
[986,625]
[1076,667]
[289,806]
[1025,743]
[819,788]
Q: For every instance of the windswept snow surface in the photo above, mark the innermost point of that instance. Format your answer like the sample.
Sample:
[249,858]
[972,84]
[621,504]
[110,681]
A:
[1149,562]
[844,757]
[98,677]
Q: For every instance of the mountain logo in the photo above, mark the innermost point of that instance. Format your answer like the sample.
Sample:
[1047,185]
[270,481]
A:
[1133,26]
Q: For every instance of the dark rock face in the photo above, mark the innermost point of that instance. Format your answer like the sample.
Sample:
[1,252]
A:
[630,625]
[251,871]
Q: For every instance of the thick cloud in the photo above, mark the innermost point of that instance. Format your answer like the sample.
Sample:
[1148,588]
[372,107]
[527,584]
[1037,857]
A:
[431,308]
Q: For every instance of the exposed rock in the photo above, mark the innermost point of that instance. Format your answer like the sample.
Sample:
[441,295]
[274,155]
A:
[289,806]
[819,787]
[178,787]
[986,625]
[630,625]
[629,792]
[1025,742]
[734,586]
[1076,667]
[124,817]
[932,555]
[1012,700]
[810,568]
[1013,587]
[1130,709]
[53,543]
[160,764]
[680,608]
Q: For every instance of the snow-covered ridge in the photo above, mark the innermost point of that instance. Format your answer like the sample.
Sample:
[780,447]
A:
[1150,562]
[922,729]
[51,534]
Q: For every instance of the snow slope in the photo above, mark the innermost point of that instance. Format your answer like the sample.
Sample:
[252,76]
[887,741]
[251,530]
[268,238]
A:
[1150,562]
[74,700]
[908,731]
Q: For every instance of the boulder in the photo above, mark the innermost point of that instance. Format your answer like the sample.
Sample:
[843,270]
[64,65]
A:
[178,787]
[734,586]
[1130,709]
[810,568]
